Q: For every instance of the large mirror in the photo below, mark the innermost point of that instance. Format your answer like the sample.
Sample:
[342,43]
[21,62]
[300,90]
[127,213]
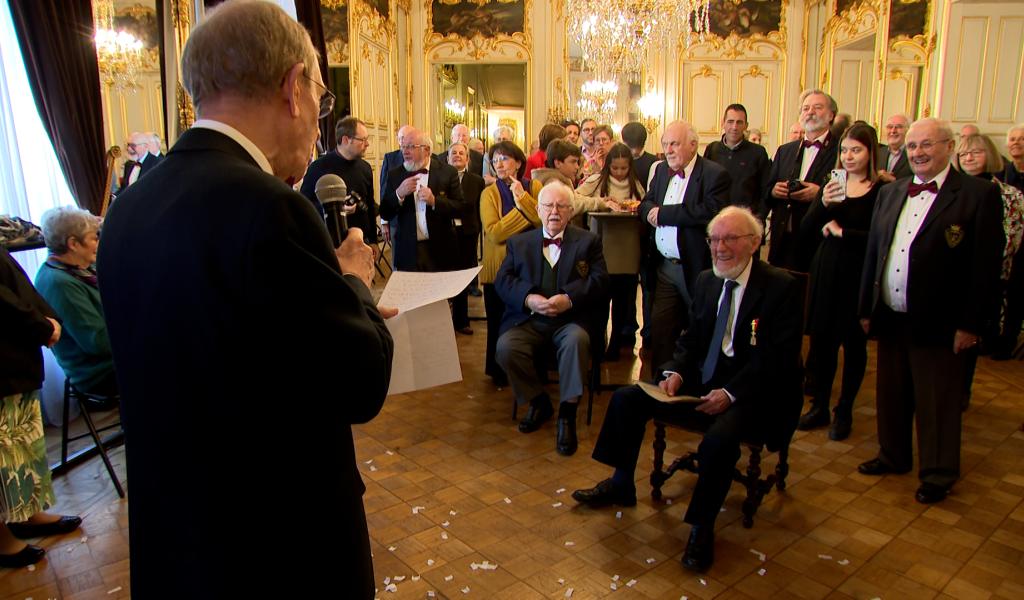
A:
[481,96]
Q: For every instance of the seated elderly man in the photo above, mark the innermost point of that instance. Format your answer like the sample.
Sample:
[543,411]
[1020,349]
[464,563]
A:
[552,281]
[67,280]
[740,356]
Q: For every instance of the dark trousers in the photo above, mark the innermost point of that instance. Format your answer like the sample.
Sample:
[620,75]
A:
[671,312]
[426,262]
[622,436]
[647,281]
[495,308]
[518,347]
[924,385]
[624,325]
[823,358]
[466,260]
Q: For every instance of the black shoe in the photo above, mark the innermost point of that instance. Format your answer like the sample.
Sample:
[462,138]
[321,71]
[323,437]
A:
[840,429]
[29,555]
[930,493]
[700,550]
[499,381]
[566,440]
[875,466]
[34,530]
[816,417]
[605,494]
[464,330]
[536,416]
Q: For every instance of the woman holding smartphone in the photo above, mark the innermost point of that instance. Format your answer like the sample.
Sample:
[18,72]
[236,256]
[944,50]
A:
[840,218]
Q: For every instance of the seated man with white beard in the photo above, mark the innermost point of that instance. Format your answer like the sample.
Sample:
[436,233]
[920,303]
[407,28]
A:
[740,356]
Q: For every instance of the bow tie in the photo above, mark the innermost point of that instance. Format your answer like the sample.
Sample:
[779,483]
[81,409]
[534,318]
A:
[916,188]
[815,143]
[681,173]
[552,242]
[418,172]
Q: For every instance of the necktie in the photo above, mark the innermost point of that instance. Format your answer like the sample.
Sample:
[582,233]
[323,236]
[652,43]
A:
[553,242]
[916,188]
[815,143]
[711,360]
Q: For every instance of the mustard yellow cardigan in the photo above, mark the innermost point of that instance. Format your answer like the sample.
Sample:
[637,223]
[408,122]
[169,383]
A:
[498,229]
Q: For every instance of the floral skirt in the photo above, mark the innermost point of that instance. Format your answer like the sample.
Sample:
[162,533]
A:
[25,485]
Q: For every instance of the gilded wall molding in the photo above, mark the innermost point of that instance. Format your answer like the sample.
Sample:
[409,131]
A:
[862,21]
[763,46]
[368,24]
[516,47]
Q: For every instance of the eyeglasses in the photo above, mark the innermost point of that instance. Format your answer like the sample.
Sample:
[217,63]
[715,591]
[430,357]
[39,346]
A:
[728,240]
[326,99]
[413,146]
[364,140]
[561,207]
[974,152]
[926,145]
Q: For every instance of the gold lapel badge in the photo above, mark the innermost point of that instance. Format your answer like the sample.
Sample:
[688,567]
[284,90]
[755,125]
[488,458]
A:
[954,235]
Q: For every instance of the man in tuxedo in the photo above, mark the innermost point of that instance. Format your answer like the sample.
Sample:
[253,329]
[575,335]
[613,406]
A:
[740,356]
[467,229]
[799,170]
[419,200]
[686,193]
[226,304]
[747,163]
[892,156]
[460,135]
[929,288]
[552,281]
[139,162]
[346,161]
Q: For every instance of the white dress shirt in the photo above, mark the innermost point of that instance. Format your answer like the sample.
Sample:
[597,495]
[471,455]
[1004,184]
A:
[737,297]
[551,251]
[897,265]
[810,153]
[666,237]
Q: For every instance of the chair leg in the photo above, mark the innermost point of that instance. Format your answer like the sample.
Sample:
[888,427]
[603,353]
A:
[658,475]
[754,492]
[100,447]
[515,408]
[595,381]
[64,422]
[782,469]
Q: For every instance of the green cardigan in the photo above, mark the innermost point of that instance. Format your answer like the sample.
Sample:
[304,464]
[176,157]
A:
[83,350]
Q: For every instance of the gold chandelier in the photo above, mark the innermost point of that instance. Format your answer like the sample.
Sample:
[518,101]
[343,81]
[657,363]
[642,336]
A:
[597,100]
[118,53]
[619,36]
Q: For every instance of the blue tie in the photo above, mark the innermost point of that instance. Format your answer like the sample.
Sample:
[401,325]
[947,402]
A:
[711,360]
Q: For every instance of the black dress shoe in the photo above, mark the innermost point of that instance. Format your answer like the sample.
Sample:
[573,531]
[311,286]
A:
[875,466]
[535,417]
[840,429]
[605,494]
[700,550]
[61,526]
[29,555]
[566,440]
[814,418]
[930,493]
[464,330]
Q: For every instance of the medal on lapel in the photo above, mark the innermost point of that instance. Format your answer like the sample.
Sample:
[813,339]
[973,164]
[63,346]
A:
[954,235]
[582,268]
[753,332]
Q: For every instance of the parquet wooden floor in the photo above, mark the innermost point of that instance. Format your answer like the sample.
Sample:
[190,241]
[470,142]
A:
[452,485]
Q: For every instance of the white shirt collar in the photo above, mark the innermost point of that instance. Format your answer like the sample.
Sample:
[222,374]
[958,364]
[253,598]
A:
[938,179]
[820,138]
[236,135]
[560,235]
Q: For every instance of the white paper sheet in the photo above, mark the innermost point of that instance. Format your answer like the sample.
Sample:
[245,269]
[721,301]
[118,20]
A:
[409,290]
[425,351]
[655,392]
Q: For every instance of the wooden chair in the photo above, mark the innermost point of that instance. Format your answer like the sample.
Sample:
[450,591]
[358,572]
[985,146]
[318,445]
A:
[548,362]
[100,445]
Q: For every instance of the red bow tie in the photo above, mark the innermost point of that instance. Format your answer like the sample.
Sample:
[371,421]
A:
[916,188]
[815,143]
[681,173]
[553,242]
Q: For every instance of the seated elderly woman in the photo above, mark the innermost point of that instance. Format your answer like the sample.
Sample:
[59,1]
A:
[67,280]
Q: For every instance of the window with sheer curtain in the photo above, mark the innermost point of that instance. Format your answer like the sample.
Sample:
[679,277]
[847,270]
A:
[31,181]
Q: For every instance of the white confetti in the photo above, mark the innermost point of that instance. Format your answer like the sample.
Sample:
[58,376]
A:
[392,548]
[368,462]
[570,543]
[390,453]
[508,500]
[703,581]
[444,535]
[430,594]
[373,469]
[556,505]
[465,590]
[760,555]
[31,567]
[631,583]
[615,577]
[568,593]
[84,539]
[449,577]
[614,587]
[452,513]
[561,581]
[825,557]
[416,509]
[387,580]
[559,490]
[618,514]
[761,572]
[683,598]
[430,562]
[445,523]
[391,588]
[651,561]
[415,578]
[668,501]
[71,549]
[470,396]
[114,591]
[399,578]
[844,562]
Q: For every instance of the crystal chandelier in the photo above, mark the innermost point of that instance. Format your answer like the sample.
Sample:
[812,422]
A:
[118,53]
[620,36]
[454,113]
[597,100]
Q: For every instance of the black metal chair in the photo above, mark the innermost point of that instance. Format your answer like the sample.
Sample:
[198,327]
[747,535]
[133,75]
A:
[100,445]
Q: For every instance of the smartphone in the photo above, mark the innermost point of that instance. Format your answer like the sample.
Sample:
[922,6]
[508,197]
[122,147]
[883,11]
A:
[839,176]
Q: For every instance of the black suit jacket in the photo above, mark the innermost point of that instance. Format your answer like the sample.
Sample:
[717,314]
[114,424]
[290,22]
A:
[902,167]
[144,167]
[472,187]
[443,180]
[787,249]
[582,275]
[955,260]
[230,321]
[476,161]
[706,194]
[358,177]
[766,375]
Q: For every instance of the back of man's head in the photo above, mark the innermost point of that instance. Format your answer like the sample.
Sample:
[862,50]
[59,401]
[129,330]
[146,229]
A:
[242,49]
[634,135]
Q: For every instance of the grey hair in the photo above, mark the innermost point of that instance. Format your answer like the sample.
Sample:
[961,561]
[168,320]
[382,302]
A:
[943,126]
[832,106]
[1017,127]
[466,146]
[553,187]
[244,48]
[753,222]
[903,116]
[65,222]
[503,128]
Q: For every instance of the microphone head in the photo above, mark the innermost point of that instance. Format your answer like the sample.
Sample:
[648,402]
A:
[331,188]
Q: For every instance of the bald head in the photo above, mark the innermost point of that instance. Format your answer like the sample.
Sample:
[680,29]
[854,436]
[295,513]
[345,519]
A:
[403,133]
[679,143]
[969,129]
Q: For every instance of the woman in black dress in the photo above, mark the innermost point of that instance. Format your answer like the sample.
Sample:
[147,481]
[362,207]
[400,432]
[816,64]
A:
[840,218]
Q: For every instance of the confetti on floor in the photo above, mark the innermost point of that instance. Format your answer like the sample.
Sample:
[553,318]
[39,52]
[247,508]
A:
[760,555]
[31,567]
[416,509]
[415,578]
[391,588]
[368,462]
[387,580]
[844,562]
[449,577]
[618,514]
[486,566]
[430,594]
[559,490]
[761,572]
[444,535]
[631,583]
[373,469]
[651,561]
[668,501]
[508,500]
[570,543]
[84,539]
[445,523]
[824,557]
[390,453]
[114,590]
[465,590]
[430,562]
[568,593]
[613,586]
[452,513]
[683,598]
[392,548]
[556,505]
[615,577]
[561,581]
[703,581]
[398,578]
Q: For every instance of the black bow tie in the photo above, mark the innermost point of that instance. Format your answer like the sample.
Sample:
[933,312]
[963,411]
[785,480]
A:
[552,242]
[418,172]
[815,143]
[916,188]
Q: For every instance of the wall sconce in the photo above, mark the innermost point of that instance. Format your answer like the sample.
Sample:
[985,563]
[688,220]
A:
[650,106]
[454,113]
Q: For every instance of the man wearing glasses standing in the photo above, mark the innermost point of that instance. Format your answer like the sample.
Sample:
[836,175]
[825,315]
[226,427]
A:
[346,161]
[740,356]
[420,200]
[230,313]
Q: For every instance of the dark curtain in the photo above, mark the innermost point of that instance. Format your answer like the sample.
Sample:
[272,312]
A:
[56,42]
[308,13]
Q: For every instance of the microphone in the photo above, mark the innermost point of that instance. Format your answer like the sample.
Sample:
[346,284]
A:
[331,192]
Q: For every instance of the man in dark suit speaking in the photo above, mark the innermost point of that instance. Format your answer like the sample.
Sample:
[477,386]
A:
[929,289]
[231,317]
[553,281]
[740,356]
